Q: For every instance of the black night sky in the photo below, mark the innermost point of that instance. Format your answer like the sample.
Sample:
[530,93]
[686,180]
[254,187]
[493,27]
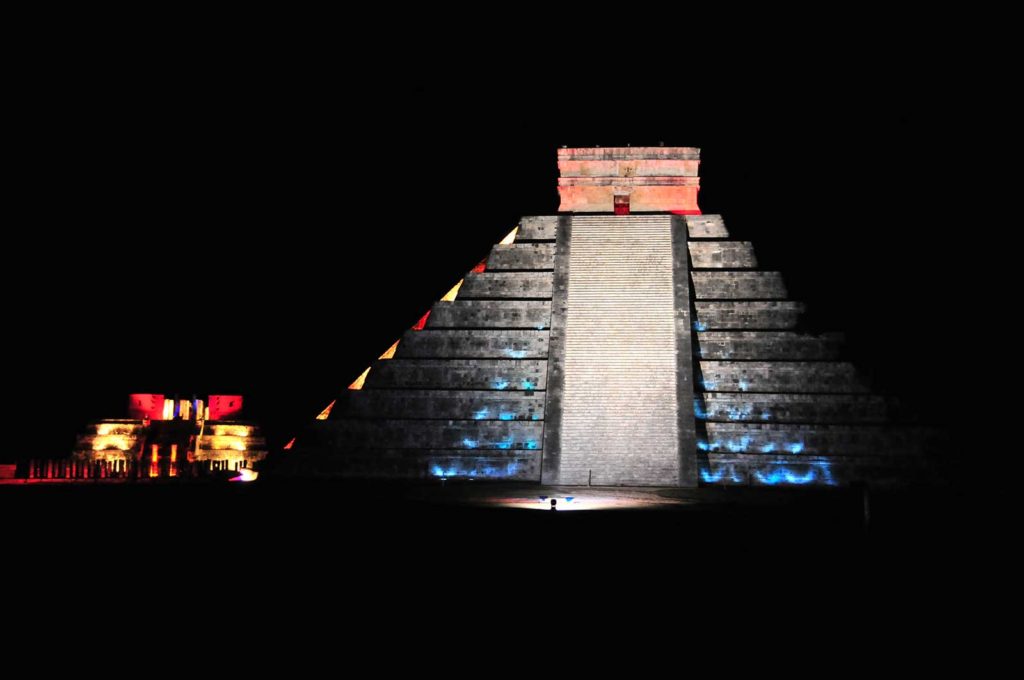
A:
[269,225]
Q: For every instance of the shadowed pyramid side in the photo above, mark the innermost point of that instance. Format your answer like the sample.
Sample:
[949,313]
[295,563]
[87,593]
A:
[461,394]
[777,406]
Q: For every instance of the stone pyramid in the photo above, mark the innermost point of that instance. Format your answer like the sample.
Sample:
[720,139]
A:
[625,341]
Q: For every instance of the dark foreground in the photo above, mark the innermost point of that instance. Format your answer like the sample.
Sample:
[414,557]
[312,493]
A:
[359,521]
[294,556]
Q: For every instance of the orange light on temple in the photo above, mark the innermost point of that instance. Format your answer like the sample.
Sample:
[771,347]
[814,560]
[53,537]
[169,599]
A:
[323,414]
[480,268]
[511,238]
[451,295]
[174,460]
[154,465]
[168,409]
[390,352]
[357,384]
[290,444]
[422,322]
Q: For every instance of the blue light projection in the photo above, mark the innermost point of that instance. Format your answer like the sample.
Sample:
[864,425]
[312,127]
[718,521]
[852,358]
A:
[744,385]
[709,477]
[515,353]
[708,384]
[720,411]
[742,413]
[535,416]
[500,384]
[541,326]
[699,326]
[783,474]
[506,416]
[481,414]
[721,472]
[772,475]
[742,445]
[529,385]
[451,469]
[737,446]
[505,444]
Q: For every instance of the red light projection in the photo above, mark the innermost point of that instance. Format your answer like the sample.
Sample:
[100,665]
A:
[421,324]
[480,268]
[224,406]
[146,406]
[291,443]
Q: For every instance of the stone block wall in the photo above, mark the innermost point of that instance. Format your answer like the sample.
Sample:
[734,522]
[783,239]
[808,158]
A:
[774,405]
[462,398]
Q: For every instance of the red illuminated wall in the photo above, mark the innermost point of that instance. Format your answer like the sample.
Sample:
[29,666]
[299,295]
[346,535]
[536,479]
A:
[655,179]
[225,406]
[143,406]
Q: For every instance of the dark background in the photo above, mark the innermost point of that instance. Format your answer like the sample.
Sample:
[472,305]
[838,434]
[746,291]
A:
[262,204]
[218,218]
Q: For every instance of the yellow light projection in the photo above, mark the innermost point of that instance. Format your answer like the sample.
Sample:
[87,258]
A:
[223,442]
[120,442]
[511,238]
[327,411]
[451,295]
[357,384]
[104,429]
[389,353]
[168,409]
[231,431]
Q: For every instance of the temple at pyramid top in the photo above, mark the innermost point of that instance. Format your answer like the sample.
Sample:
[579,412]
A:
[628,180]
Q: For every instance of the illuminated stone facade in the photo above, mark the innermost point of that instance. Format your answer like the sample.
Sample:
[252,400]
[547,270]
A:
[624,180]
[163,438]
[635,345]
